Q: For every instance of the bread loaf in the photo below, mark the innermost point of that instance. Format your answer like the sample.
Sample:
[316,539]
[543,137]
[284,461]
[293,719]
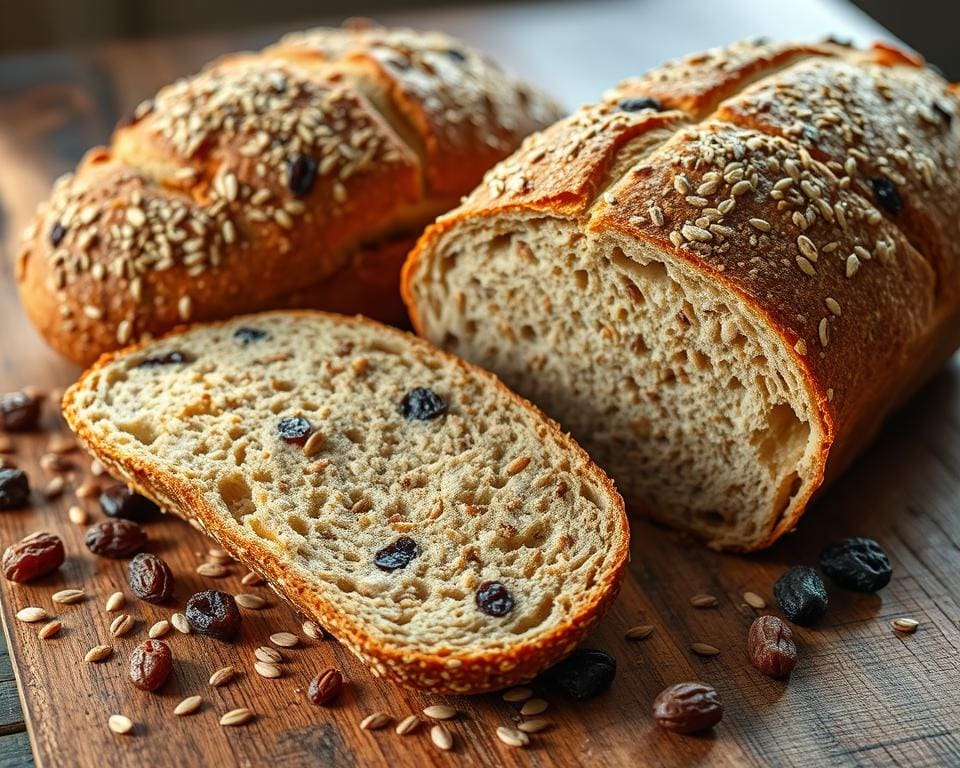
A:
[437,524]
[299,175]
[721,278]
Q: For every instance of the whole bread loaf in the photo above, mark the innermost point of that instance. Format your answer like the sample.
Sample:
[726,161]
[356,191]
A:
[437,524]
[721,278]
[296,176]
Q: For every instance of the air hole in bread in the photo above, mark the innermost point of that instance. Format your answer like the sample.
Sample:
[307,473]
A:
[582,279]
[298,525]
[141,429]
[261,530]
[236,495]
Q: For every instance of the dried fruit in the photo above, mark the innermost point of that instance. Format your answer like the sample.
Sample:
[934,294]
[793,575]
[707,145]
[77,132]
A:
[325,687]
[636,104]
[34,556]
[887,194]
[14,489]
[585,673]
[422,404]
[494,599]
[857,563]
[150,664]
[801,595]
[397,555]
[247,335]
[688,708]
[770,646]
[120,501]
[294,429]
[214,613]
[115,538]
[301,174]
[57,232]
[170,358]
[150,578]
[19,412]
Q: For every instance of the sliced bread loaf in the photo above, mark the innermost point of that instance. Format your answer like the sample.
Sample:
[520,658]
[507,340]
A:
[437,524]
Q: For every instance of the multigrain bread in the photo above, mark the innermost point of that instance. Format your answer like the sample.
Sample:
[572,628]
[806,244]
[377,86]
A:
[721,278]
[269,180]
[485,488]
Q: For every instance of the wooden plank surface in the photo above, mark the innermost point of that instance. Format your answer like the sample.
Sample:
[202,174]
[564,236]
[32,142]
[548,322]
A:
[862,695]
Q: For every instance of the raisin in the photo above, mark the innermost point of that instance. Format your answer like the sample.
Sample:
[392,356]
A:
[19,412]
[494,599]
[150,664]
[301,174]
[14,489]
[801,595]
[887,194]
[150,578]
[214,613]
[422,404]
[585,673]
[57,232]
[170,358]
[120,501]
[30,558]
[397,555]
[636,104]
[115,538]
[247,335]
[294,429]
[325,687]
[456,54]
[688,708]
[857,563]
[770,646]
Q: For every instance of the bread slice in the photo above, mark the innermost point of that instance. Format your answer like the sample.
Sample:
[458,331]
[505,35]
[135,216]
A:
[486,487]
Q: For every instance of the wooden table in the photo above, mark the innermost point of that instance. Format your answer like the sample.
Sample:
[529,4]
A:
[862,694]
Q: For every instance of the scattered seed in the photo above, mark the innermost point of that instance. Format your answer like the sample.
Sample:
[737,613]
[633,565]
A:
[122,625]
[213,570]
[50,629]
[440,712]
[222,676]
[252,579]
[239,716]
[218,555]
[268,654]
[313,630]
[159,629]
[68,596]
[516,695]
[120,724]
[31,614]
[905,625]
[268,670]
[703,601]
[408,725]
[188,706]
[88,490]
[754,600]
[533,726]
[180,623]
[441,737]
[54,489]
[375,721]
[639,632]
[253,602]
[61,444]
[704,649]
[97,469]
[534,707]
[115,602]
[78,515]
[512,737]
[54,462]
[284,639]
[98,653]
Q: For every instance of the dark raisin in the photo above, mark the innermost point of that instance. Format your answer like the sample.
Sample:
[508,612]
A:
[688,708]
[801,595]
[887,194]
[19,412]
[30,558]
[57,231]
[14,489]
[150,664]
[325,687]
[301,174]
[115,538]
[214,613]
[422,404]
[294,429]
[770,646]
[247,335]
[642,102]
[858,564]
[945,114]
[397,555]
[150,578]
[494,599]
[169,358]
[585,673]
[456,54]
[120,501]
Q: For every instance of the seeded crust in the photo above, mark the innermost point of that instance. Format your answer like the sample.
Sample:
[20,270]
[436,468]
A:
[492,490]
[188,215]
[718,305]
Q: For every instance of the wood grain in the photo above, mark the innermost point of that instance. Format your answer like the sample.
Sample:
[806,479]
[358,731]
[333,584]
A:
[862,695]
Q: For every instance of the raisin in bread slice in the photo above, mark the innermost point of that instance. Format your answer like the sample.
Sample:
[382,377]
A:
[436,523]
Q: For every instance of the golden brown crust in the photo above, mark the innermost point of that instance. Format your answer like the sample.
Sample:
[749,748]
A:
[263,174]
[465,673]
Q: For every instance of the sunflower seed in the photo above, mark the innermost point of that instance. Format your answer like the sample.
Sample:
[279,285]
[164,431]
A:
[284,639]
[639,632]
[159,629]
[98,653]
[238,716]
[534,707]
[268,654]
[375,721]
[441,737]
[222,676]
[213,570]
[31,614]
[313,630]
[253,602]
[533,726]
[68,596]
[78,515]
[180,623]
[115,602]
[120,724]
[440,712]
[703,601]
[516,695]
[122,625]
[512,737]
[408,725]
[252,579]
[704,649]
[188,706]
[905,625]
[268,670]
[50,629]
[754,600]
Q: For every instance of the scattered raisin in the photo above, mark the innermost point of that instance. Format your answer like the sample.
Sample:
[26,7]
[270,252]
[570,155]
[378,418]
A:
[325,687]
[150,578]
[247,335]
[214,613]
[857,563]
[115,538]
[30,558]
[585,673]
[120,501]
[770,646]
[397,555]
[494,599]
[150,664]
[636,104]
[301,174]
[945,114]
[887,194]
[19,412]
[14,489]
[57,232]
[688,708]
[801,595]
[170,358]
[294,429]
[422,404]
